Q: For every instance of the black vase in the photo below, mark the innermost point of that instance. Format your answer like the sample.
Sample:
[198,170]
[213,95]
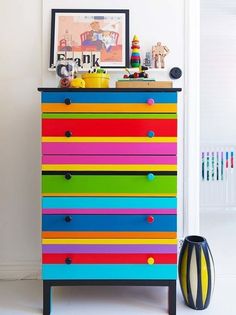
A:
[196,272]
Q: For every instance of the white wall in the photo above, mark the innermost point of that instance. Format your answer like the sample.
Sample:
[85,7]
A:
[218,71]
[20,110]
[20,75]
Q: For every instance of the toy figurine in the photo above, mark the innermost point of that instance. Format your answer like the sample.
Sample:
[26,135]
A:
[64,83]
[147,61]
[77,83]
[136,75]
[65,68]
[159,53]
[142,73]
[135,55]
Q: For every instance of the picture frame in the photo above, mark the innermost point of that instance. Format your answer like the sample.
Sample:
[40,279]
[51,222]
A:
[90,37]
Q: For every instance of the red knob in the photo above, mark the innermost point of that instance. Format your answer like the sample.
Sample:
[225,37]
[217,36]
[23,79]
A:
[150,219]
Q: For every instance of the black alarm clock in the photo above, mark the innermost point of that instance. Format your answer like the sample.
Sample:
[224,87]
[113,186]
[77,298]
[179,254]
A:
[175,73]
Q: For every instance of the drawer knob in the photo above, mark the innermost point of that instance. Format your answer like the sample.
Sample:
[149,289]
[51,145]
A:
[68,218]
[150,260]
[68,260]
[68,133]
[150,101]
[150,177]
[151,133]
[150,219]
[68,176]
[67,101]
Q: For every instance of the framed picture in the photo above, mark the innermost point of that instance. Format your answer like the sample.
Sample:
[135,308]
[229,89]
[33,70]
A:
[90,37]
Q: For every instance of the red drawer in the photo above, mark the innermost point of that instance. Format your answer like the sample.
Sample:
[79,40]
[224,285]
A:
[109,258]
[109,127]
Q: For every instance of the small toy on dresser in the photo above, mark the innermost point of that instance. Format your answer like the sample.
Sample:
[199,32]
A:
[140,79]
[69,76]
[66,71]
[159,52]
[135,60]
[136,75]
[96,78]
[77,83]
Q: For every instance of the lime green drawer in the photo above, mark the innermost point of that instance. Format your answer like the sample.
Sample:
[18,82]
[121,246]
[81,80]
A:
[103,184]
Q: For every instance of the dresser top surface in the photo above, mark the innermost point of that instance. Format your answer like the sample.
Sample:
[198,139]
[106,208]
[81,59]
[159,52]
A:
[50,89]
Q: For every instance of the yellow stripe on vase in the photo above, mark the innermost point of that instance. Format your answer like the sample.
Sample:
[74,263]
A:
[204,277]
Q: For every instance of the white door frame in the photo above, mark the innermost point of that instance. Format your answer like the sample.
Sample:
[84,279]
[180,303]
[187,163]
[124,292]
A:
[191,174]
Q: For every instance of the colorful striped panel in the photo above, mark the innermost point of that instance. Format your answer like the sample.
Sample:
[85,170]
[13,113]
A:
[109,127]
[111,248]
[162,223]
[111,97]
[109,258]
[109,148]
[132,116]
[91,234]
[109,211]
[106,271]
[109,184]
[80,194]
[108,203]
[112,159]
[108,167]
[109,108]
[109,163]
[112,139]
[108,241]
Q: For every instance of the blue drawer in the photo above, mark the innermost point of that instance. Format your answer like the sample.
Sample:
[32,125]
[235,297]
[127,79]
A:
[108,223]
[111,97]
[99,271]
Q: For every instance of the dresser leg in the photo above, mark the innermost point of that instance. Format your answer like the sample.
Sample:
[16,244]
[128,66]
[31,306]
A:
[172,298]
[46,298]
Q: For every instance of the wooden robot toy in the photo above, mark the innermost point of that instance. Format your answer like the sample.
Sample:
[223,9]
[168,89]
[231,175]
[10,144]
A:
[159,53]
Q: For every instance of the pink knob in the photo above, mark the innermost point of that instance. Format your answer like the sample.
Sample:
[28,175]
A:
[150,101]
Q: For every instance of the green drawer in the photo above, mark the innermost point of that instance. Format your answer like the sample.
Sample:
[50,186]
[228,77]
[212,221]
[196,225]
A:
[101,184]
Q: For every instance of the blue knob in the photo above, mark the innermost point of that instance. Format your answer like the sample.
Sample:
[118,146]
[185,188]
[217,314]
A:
[151,134]
[150,176]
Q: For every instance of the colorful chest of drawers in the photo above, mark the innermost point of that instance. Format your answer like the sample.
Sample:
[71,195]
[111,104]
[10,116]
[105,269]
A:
[109,185]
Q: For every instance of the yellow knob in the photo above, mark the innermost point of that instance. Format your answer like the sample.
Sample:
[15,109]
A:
[150,260]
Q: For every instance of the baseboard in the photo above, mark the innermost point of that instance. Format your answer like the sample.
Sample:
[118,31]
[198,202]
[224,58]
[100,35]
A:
[20,271]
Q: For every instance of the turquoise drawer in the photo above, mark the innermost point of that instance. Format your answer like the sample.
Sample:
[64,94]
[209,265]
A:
[109,222]
[111,97]
[109,203]
[99,271]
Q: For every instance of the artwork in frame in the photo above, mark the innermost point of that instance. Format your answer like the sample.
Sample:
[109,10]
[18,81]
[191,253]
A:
[90,37]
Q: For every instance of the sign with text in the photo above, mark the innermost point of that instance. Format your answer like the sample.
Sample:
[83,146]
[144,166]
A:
[85,59]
